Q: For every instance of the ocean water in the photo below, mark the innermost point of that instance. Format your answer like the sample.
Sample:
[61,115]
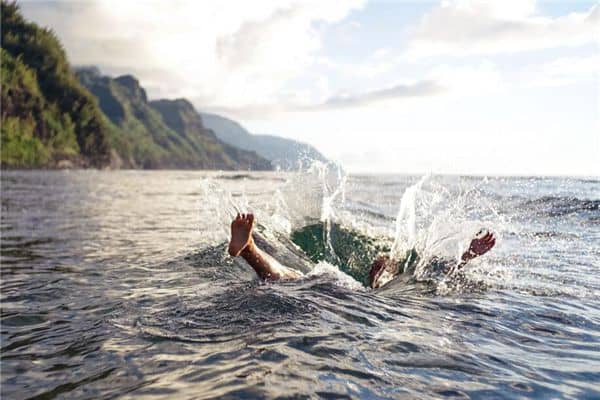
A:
[117,284]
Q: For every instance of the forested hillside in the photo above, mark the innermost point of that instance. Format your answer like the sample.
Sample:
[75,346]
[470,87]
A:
[181,116]
[47,116]
[163,133]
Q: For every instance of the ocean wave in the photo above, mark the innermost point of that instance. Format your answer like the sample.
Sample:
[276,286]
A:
[555,206]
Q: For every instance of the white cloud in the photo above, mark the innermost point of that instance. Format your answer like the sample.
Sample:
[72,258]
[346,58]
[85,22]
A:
[219,53]
[481,78]
[417,89]
[303,101]
[565,71]
[370,68]
[464,27]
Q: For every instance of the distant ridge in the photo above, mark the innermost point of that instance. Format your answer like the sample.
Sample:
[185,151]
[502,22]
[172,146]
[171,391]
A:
[283,153]
[162,133]
[181,116]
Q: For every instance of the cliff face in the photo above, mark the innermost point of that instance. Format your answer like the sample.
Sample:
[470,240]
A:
[283,153]
[162,133]
[181,116]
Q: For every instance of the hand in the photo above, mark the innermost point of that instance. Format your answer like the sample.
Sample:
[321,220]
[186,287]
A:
[377,268]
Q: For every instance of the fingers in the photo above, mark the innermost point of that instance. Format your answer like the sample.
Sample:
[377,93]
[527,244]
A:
[251,218]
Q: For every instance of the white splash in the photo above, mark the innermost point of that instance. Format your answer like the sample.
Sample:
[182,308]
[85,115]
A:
[323,268]
[406,221]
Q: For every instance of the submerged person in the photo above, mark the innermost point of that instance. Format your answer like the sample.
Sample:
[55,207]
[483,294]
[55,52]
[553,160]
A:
[383,270]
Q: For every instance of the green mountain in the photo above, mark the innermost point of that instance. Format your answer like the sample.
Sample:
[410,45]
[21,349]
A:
[283,153]
[47,116]
[52,116]
[164,133]
[181,116]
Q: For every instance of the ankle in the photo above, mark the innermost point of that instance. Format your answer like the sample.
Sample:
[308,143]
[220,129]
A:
[249,249]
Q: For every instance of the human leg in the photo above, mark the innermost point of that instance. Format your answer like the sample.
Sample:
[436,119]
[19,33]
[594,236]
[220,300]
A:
[242,244]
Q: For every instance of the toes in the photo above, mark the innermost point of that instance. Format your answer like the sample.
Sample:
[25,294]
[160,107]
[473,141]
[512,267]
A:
[247,218]
[487,236]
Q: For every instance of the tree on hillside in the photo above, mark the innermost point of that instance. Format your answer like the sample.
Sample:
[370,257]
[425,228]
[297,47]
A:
[43,102]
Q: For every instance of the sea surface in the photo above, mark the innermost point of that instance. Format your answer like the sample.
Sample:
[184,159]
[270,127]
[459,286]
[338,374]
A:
[117,285]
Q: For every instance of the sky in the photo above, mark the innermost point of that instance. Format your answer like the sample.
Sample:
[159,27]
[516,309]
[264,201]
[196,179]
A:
[479,87]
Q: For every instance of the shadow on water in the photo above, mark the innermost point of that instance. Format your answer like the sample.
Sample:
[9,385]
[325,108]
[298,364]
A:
[232,314]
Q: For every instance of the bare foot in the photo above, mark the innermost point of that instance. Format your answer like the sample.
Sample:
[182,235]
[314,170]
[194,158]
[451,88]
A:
[241,233]
[482,243]
[479,246]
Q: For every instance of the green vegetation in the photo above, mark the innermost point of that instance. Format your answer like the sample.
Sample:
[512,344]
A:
[46,114]
[51,114]
[181,116]
[162,133]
